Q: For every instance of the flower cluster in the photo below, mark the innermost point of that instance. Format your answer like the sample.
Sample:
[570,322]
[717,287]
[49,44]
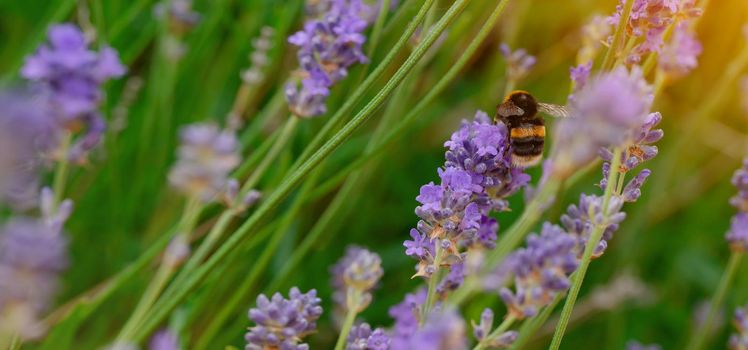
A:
[739,341]
[580,220]
[205,158]
[649,20]
[681,54]
[328,45]
[282,323]
[358,271]
[33,252]
[593,34]
[27,134]
[71,76]
[475,180]
[406,314]
[362,337]
[259,57]
[482,332]
[518,63]
[608,110]
[738,233]
[442,330]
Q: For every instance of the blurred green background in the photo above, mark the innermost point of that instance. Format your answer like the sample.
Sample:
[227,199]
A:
[672,240]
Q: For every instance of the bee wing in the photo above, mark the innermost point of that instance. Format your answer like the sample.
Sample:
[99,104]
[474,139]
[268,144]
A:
[553,110]
[508,109]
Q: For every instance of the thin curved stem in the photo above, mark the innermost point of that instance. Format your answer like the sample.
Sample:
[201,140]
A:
[701,335]
[612,52]
[589,248]
[350,317]
[61,172]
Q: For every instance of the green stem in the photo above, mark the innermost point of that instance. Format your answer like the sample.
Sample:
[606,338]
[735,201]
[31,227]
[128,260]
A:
[589,248]
[531,326]
[376,31]
[285,188]
[61,172]
[433,281]
[350,317]
[618,36]
[157,284]
[503,327]
[279,144]
[701,335]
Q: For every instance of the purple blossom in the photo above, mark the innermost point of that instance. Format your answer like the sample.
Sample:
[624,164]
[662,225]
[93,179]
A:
[737,235]
[328,45]
[361,337]
[71,76]
[581,220]
[406,313]
[739,340]
[282,323]
[442,330]
[454,278]
[649,19]
[27,137]
[541,270]
[180,15]
[609,110]
[205,158]
[681,54]
[165,339]
[580,74]
[358,270]
[594,33]
[32,255]
[518,63]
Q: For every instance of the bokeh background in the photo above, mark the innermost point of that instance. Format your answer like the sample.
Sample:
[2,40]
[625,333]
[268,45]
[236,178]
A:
[670,252]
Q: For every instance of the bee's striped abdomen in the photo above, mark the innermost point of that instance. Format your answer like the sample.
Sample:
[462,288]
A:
[527,141]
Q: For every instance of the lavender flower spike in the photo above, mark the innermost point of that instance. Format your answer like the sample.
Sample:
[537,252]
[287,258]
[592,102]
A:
[359,270]
[443,330]
[205,158]
[738,233]
[739,341]
[361,337]
[610,109]
[681,54]
[541,271]
[327,47]
[282,323]
[518,63]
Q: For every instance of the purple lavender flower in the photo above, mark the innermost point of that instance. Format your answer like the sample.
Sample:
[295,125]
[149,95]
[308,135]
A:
[580,74]
[358,270]
[71,75]
[610,109]
[635,345]
[205,158]
[443,330]
[581,220]
[32,255]
[454,278]
[518,63]
[361,337]
[649,19]
[541,270]
[681,54]
[406,313]
[594,33]
[327,47]
[739,341]
[259,57]
[27,137]
[738,233]
[164,339]
[180,15]
[282,323]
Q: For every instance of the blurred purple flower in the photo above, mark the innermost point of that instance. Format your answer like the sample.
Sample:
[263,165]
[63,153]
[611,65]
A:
[32,255]
[518,63]
[179,13]
[541,271]
[164,339]
[594,33]
[581,220]
[205,158]
[328,45]
[609,109]
[358,270]
[27,137]
[406,313]
[282,323]
[681,54]
[442,330]
[739,340]
[482,330]
[580,74]
[737,236]
[361,337]
[635,345]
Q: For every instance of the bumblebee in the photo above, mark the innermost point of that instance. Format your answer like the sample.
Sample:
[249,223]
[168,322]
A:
[519,112]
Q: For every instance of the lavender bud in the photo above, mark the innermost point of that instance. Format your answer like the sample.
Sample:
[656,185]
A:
[282,323]
[358,270]
[681,54]
[482,329]
[443,330]
[205,158]
[737,236]
[739,340]
[165,339]
[361,337]
[518,63]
